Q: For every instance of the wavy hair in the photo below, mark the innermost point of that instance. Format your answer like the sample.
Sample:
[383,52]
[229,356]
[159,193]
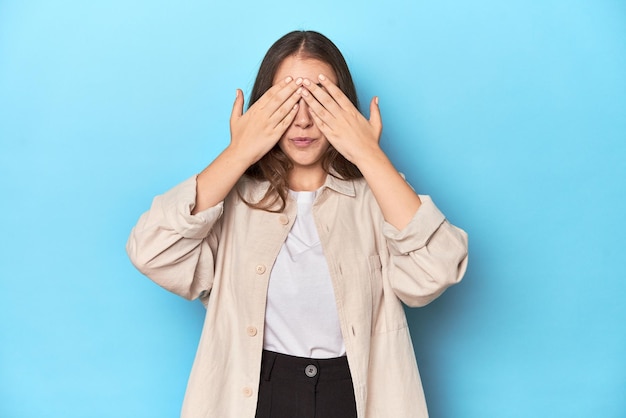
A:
[274,165]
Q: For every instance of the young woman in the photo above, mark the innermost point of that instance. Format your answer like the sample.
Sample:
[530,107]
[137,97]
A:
[303,241]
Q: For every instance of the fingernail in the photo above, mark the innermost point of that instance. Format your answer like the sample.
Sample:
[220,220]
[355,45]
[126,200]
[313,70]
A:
[299,90]
[288,79]
[376,100]
[321,77]
[307,82]
[305,92]
[299,81]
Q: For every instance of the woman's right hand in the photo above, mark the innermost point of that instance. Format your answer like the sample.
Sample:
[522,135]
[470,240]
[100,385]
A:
[252,135]
[255,132]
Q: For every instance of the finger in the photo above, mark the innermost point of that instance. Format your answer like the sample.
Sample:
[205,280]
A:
[335,92]
[376,120]
[237,106]
[277,94]
[286,107]
[321,124]
[317,109]
[322,96]
[288,119]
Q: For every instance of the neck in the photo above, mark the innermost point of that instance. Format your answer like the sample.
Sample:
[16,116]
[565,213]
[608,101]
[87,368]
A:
[306,179]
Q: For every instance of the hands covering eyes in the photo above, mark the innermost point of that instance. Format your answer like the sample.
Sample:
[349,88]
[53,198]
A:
[256,131]
[340,121]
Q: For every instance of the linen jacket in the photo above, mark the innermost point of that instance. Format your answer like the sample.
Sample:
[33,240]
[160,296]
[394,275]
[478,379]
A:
[224,256]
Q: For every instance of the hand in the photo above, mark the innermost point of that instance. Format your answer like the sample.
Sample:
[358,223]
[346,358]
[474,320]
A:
[255,132]
[340,121]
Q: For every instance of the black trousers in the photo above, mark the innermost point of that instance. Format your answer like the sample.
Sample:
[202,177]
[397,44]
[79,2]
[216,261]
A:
[298,387]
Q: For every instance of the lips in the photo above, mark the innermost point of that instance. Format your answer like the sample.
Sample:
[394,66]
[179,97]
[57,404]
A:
[302,142]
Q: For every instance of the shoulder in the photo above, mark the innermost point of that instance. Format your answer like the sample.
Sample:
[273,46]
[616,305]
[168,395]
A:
[248,189]
[355,195]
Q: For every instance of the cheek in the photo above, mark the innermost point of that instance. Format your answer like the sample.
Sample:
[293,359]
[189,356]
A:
[282,143]
[325,145]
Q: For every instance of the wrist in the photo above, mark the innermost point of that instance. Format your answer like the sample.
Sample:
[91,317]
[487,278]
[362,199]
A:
[369,157]
[238,157]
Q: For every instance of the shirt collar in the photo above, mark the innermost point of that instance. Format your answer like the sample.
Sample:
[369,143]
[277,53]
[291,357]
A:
[339,185]
[333,182]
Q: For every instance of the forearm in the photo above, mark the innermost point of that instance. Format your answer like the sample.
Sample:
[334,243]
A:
[253,134]
[174,248]
[397,200]
[216,181]
[427,257]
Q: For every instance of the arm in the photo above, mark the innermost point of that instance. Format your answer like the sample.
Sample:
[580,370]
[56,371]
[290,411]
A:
[175,242]
[428,254]
[395,197]
[253,134]
[173,247]
[357,139]
[426,257]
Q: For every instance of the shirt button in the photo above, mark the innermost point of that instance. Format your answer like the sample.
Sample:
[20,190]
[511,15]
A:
[260,269]
[247,392]
[251,331]
[283,219]
[310,370]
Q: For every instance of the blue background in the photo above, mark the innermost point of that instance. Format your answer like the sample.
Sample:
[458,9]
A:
[512,115]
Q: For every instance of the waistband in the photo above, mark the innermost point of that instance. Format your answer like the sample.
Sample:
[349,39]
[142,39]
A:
[283,366]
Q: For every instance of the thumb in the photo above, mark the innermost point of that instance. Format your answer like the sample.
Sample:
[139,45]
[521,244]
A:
[237,106]
[375,118]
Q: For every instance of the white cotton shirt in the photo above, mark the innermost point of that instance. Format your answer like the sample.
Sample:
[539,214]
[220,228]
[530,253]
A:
[301,313]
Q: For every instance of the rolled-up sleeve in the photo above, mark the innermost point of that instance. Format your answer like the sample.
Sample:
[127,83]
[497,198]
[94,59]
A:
[173,247]
[427,256]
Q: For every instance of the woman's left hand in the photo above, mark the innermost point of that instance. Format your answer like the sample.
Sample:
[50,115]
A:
[340,121]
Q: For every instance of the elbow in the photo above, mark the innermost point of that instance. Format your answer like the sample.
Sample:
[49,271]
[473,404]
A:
[423,285]
[133,255]
[423,274]
[183,273]
[138,258]
[448,260]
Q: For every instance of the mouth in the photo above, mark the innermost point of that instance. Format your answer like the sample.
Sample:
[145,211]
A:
[302,142]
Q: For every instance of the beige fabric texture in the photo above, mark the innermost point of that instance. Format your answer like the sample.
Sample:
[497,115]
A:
[224,256]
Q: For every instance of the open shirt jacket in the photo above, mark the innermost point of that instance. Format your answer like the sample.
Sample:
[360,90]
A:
[224,256]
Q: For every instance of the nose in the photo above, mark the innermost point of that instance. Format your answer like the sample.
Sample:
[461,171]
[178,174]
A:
[303,118]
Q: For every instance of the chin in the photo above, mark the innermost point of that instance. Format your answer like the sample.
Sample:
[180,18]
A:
[298,159]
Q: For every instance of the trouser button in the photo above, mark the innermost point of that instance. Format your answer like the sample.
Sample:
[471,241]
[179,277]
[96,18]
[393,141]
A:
[310,370]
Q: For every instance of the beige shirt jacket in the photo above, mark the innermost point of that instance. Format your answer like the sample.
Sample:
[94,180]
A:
[224,256]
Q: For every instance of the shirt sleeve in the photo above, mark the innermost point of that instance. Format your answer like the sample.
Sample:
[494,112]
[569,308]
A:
[427,256]
[175,248]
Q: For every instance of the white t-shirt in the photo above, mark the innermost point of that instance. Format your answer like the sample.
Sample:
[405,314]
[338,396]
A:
[301,314]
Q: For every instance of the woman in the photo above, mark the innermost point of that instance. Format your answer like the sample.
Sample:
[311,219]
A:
[304,241]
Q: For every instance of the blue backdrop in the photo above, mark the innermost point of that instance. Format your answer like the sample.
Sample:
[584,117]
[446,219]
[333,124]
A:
[512,115]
